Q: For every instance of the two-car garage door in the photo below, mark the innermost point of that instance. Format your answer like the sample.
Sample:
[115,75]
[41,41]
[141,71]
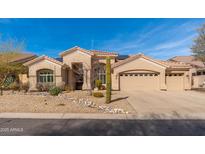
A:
[139,81]
[150,81]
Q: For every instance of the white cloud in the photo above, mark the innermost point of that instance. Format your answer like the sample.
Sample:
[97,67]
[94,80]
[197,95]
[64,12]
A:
[158,41]
[136,40]
[175,44]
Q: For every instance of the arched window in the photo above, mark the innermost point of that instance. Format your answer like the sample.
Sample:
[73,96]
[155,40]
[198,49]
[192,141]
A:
[45,76]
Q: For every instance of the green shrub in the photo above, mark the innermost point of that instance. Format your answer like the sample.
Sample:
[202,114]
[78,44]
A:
[98,84]
[55,91]
[98,94]
[8,81]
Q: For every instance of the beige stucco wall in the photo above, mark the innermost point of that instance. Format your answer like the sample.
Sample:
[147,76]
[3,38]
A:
[138,64]
[198,81]
[103,60]
[44,64]
[23,78]
[85,59]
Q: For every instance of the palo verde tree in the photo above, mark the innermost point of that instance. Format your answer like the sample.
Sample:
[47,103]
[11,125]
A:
[108,80]
[198,47]
[8,50]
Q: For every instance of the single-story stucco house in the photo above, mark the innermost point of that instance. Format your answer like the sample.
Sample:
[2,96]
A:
[79,68]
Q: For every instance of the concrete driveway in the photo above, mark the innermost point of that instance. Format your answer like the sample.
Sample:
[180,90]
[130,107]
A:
[167,102]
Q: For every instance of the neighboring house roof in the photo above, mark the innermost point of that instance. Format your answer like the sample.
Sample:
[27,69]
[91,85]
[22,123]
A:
[172,64]
[133,57]
[43,58]
[189,60]
[22,58]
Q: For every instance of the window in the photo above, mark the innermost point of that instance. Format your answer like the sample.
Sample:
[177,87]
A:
[193,74]
[45,76]
[198,73]
[101,75]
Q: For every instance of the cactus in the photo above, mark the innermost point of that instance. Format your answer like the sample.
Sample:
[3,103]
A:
[108,80]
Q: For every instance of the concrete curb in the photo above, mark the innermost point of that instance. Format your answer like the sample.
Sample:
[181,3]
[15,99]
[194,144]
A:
[200,116]
[62,116]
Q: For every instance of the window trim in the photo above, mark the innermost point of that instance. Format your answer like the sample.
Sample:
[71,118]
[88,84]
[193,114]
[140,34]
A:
[45,76]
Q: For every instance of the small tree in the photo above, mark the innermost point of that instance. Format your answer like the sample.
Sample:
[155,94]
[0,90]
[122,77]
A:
[198,47]
[8,50]
[108,80]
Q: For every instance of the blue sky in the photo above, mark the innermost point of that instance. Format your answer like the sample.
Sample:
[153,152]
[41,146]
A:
[158,38]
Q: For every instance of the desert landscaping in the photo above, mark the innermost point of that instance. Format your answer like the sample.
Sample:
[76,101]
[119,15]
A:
[72,102]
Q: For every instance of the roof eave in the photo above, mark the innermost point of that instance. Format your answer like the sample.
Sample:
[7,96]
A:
[42,58]
[74,49]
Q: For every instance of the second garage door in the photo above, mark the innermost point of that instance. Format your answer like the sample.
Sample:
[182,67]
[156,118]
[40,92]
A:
[139,81]
[175,81]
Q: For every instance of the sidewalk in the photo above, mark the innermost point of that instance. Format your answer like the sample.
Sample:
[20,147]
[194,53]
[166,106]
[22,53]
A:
[98,116]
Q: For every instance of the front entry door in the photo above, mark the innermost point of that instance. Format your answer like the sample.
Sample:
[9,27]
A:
[78,75]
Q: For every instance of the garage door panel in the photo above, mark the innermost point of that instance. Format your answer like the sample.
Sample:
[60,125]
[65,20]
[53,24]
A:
[139,82]
[175,82]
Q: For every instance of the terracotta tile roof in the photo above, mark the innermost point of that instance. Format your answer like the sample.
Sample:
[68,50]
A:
[74,49]
[104,53]
[90,52]
[43,58]
[167,64]
[189,60]
[185,59]
[172,64]
[133,57]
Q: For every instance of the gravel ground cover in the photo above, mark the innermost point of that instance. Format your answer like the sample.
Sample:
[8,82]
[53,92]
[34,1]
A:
[73,102]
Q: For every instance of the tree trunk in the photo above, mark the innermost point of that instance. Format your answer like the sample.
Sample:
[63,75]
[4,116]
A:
[1,89]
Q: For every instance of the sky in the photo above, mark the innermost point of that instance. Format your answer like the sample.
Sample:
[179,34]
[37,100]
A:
[155,37]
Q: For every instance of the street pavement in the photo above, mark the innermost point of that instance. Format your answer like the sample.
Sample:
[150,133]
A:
[100,127]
